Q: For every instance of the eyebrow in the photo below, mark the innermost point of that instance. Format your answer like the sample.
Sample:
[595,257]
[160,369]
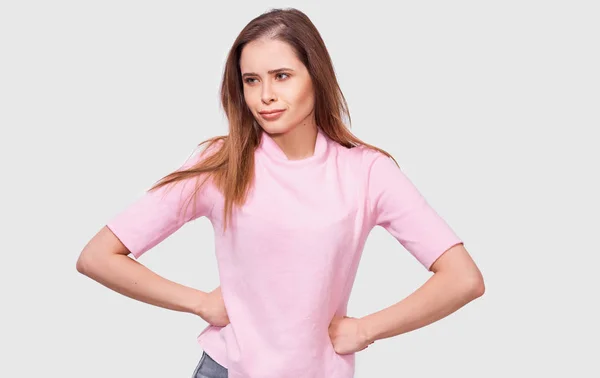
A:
[270,72]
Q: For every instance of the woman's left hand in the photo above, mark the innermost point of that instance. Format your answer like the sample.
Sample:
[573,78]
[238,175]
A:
[347,335]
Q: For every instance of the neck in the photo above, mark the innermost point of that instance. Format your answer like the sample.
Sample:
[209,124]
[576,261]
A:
[299,142]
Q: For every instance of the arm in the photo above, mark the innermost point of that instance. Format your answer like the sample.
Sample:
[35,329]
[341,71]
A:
[153,217]
[399,207]
[456,282]
[104,259]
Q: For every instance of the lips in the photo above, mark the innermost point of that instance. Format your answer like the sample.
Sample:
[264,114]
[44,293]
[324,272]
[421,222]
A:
[271,111]
[271,115]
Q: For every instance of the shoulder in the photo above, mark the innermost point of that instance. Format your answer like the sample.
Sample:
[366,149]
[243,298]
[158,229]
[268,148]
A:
[210,146]
[203,150]
[361,157]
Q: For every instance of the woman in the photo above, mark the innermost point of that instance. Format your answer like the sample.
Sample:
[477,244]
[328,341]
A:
[292,196]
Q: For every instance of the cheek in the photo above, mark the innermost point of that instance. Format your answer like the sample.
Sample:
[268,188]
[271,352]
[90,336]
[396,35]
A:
[304,97]
[250,99]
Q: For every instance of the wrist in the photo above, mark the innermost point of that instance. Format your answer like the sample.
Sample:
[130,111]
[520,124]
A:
[197,303]
[366,330]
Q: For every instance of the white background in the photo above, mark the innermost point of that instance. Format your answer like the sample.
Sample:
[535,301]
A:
[491,108]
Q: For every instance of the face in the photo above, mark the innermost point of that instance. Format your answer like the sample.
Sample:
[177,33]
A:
[274,79]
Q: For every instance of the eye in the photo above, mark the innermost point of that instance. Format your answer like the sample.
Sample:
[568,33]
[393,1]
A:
[248,80]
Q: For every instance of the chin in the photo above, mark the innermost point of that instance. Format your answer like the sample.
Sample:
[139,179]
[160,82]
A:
[275,128]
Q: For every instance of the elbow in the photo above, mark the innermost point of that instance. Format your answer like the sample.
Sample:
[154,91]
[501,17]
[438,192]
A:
[478,289]
[87,262]
[475,286]
[93,258]
[80,265]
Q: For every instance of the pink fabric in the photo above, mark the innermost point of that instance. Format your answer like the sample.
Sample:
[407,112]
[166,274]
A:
[289,260]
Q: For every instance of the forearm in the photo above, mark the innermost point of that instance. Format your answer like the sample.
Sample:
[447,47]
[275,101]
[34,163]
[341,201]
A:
[132,279]
[440,296]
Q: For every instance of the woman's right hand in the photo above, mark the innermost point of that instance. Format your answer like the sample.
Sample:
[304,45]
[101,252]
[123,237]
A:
[212,309]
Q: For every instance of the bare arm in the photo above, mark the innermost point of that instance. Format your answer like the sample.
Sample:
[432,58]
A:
[104,259]
[456,282]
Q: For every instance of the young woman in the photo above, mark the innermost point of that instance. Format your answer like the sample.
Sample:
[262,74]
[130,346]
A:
[292,196]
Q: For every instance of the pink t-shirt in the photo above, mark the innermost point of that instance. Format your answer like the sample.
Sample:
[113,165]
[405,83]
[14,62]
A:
[288,262]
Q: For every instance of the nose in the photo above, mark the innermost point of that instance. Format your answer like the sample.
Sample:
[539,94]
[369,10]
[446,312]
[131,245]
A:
[268,95]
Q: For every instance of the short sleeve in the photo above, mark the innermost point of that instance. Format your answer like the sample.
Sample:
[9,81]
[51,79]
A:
[157,214]
[398,207]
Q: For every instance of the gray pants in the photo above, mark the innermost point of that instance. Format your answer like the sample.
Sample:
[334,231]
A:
[209,368]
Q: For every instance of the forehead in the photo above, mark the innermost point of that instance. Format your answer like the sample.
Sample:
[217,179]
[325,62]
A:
[263,55]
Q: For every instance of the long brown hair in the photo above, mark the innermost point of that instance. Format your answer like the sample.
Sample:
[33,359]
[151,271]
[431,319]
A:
[231,166]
